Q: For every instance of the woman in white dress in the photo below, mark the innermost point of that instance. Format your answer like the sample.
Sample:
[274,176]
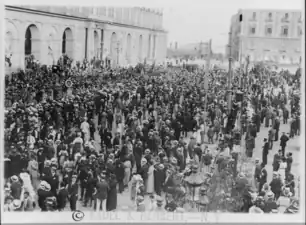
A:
[27,185]
[33,170]
[150,181]
[282,169]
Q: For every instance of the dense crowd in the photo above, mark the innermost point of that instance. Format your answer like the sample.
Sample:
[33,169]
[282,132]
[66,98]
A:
[89,137]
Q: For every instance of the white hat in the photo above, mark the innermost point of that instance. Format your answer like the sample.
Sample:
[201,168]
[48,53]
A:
[16,204]
[14,178]
[255,209]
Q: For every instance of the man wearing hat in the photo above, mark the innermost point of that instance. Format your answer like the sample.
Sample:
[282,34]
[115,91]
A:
[53,180]
[270,203]
[73,190]
[27,203]
[283,142]
[15,160]
[62,197]
[262,177]
[100,193]
[140,204]
[43,193]
[159,178]
[265,151]
[277,160]
[158,206]
[16,187]
[276,185]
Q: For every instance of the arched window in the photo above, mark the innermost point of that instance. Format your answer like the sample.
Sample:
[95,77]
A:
[28,42]
[140,48]
[64,43]
[128,47]
[67,42]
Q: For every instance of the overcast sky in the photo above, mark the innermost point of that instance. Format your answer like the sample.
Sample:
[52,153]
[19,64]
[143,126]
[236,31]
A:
[189,21]
[202,20]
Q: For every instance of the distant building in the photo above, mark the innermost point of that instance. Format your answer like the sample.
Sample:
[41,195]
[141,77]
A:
[273,36]
[122,35]
[194,50]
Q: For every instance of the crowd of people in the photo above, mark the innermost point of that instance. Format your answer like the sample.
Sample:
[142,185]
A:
[87,138]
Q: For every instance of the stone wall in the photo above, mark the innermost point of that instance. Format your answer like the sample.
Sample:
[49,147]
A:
[47,36]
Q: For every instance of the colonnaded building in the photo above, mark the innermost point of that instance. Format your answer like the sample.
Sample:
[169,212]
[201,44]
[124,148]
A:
[123,35]
[267,35]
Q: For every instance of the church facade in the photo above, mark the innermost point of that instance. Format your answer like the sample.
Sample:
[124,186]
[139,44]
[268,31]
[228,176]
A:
[121,35]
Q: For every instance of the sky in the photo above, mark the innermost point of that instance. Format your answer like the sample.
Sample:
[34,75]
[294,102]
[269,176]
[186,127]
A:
[197,21]
[189,21]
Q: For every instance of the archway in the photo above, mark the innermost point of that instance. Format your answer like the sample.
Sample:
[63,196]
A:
[113,47]
[67,43]
[140,48]
[32,42]
[128,48]
[96,44]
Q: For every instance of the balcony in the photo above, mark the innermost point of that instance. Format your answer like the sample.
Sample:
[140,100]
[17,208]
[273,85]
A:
[269,20]
[253,19]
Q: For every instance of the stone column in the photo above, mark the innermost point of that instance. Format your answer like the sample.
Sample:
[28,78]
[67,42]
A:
[151,46]
[154,46]
[20,42]
[44,52]
[15,50]
[90,46]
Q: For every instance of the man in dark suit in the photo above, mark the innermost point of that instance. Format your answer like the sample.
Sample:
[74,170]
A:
[62,197]
[265,152]
[53,180]
[262,177]
[159,178]
[169,183]
[106,137]
[116,140]
[101,192]
[89,188]
[73,189]
[277,160]
[15,160]
[276,128]
[283,142]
